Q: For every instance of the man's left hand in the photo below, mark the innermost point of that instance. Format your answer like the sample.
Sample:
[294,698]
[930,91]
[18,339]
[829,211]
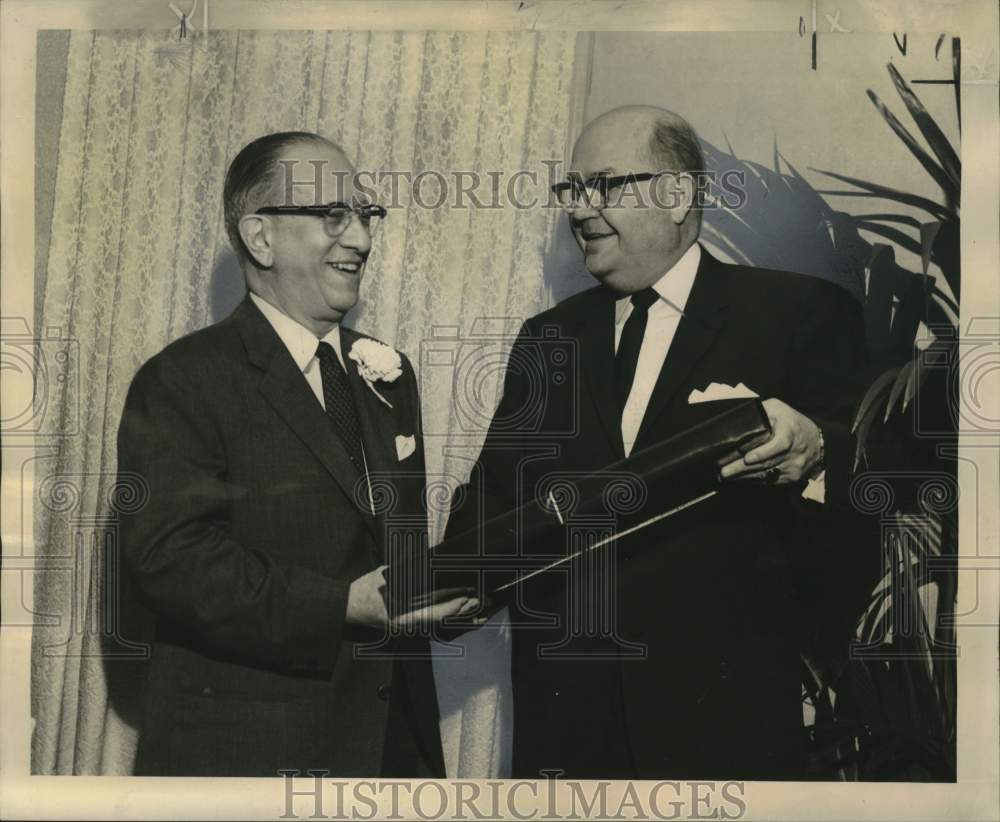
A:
[791,455]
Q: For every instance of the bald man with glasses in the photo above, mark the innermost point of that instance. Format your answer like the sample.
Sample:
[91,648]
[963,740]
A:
[679,658]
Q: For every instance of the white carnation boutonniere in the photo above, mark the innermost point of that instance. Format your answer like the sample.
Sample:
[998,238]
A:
[376,361]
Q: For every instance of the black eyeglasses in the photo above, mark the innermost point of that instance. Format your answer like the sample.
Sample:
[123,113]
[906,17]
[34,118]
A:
[594,192]
[336,216]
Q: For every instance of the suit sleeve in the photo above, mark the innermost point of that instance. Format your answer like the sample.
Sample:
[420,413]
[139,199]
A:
[180,553]
[493,487]
[827,369]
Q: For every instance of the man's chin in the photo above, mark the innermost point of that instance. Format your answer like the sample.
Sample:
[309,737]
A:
[340,300]
[611,277]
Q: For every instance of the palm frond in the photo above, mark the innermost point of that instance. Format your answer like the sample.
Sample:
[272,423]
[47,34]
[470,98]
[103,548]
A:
[932,133]
[877,391]
[956,74]
[947,302]
[928,231]
[889,233]
[948,185]
[904,378]
[868,412]
[940,242]
[905,219]
[884,192]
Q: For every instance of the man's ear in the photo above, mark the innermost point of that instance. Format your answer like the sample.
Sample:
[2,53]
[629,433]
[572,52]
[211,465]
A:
[683,193]
[255,230]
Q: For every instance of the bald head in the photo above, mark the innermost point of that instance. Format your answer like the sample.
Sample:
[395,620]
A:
[649,222]
[665,139]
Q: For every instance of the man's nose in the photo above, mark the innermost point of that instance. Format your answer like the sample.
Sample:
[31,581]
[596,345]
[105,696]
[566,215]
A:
[356,236]
[582,212]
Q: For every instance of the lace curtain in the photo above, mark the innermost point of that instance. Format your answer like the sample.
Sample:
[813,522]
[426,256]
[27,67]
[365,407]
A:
[138,257]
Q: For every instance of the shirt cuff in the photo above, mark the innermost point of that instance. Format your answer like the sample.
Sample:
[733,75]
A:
[815,489]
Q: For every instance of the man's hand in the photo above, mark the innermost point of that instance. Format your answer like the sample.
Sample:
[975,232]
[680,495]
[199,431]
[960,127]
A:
[791,455]
[366,605]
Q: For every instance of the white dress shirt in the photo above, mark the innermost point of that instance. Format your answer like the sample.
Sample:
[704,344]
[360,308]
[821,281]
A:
[663,317]
[661,325]
[302,344]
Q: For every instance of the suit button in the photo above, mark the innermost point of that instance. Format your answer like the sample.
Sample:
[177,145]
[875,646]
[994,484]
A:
[206,691]
[723,670]
[383,692]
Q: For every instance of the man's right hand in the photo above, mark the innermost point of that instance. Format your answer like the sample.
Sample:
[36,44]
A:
[366,605]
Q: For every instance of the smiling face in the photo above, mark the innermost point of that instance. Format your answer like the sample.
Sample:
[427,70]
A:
[628,246]
[309,275]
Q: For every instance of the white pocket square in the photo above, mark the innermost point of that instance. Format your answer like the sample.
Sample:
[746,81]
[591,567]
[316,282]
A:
[404,446]
[720,391]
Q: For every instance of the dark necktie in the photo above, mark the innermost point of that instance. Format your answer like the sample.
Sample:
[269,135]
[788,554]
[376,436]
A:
[340,403]
[627,357]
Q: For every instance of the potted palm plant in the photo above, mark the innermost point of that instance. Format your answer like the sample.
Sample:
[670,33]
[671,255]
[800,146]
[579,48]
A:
[886,711]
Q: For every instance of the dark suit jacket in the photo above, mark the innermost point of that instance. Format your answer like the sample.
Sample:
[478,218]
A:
[716,601]
[244,553]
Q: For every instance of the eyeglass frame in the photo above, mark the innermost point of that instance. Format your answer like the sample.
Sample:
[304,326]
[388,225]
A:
[325,210]
[606,183]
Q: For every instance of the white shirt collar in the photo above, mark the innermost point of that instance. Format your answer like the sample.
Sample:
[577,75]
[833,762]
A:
[674,286]
[299,340]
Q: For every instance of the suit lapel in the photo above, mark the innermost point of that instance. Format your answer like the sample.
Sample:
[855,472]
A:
[379,426]
[378,420]
[597,355]
[703,318]
[285,387]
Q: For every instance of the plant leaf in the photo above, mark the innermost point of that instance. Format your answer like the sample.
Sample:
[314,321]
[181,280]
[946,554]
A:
[951,189]
[946,255]
[728,145]
[718,239]
[948,303]
[868,413]
[937,316]
[956,74]
[935,138]
[875,190]
[890,218]
[875,393]
[910,311]
[902,381]
[928,231]
[893,234]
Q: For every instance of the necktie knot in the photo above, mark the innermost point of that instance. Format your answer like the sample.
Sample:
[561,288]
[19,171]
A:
[326,354]
[645,298]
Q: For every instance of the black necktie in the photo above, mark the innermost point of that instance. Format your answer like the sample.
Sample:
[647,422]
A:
[627,357]
[340,403]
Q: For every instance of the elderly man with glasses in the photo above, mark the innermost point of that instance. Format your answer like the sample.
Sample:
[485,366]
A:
[678,657]
[259,552]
